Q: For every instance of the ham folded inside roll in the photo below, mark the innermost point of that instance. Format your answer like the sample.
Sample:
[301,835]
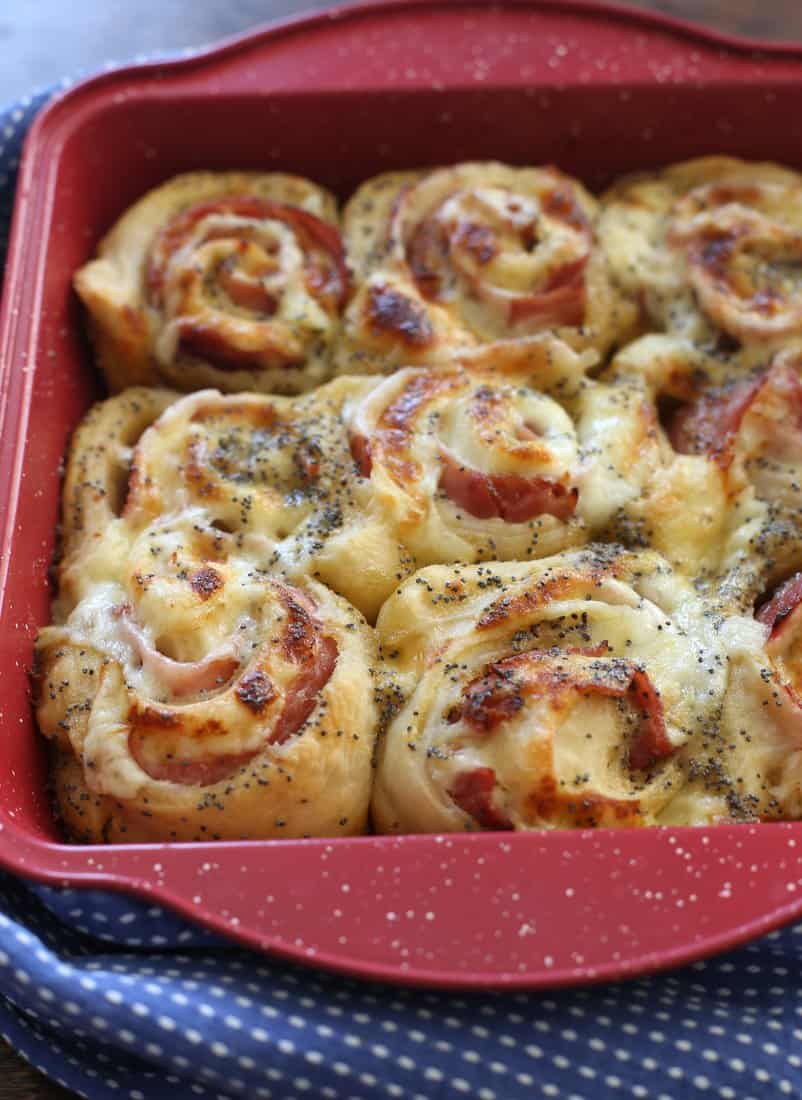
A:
[559,693]
[189,687]
[469,462]
[711,249]
[232,279]
[196,697]
[471,255]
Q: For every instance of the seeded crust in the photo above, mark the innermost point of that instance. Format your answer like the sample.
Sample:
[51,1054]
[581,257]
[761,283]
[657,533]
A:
[417,303]
[129,324]
[190,688]
[674,240]
[521,677]
[118,734]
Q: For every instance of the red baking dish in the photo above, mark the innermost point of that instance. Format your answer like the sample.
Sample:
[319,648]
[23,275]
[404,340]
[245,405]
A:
[339,97]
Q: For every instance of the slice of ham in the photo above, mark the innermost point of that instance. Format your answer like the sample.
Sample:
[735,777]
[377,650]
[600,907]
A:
[561,299]
[202,772]
[777,611]
[387,438]
[325,267]
[652,743]
[181,678]
[301,700]
[561,302]
[473,791]
[710,424]
[500,693]
[158,733]
[510,497]
[360,452]
[707,425]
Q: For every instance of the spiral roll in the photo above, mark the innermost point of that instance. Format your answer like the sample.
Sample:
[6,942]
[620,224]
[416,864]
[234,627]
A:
[557,693]
[198,699]
[470,255]
[469,462]
[710,249]
[234,280]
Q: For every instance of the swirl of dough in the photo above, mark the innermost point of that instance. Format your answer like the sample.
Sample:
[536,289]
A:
[271,477]
[748,767]
[196,697]
[540,695]
[469,464]
[698,457]
[748,432]
[232,279]
[711,247]
[94,532]
[469,255]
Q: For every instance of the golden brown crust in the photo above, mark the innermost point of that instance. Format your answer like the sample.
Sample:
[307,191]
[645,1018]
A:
[198,693]
[540,695]
[468,256]
[227,279]
[244,712]
[96,488]
[709,249]
[468,462]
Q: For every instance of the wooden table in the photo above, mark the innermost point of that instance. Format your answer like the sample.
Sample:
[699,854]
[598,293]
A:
[768,19]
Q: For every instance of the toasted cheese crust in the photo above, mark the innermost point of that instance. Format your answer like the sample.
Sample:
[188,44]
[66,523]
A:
[473,255]
[227,279]
[548,694]
[189,691]
[710,249]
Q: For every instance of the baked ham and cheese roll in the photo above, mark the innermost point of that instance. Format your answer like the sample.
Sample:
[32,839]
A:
[467,462]
[269,477]
[194,696]
[556,693]
[711,248]
[643,488]
[231,279]
[470,255]
[741,440]
[749,766]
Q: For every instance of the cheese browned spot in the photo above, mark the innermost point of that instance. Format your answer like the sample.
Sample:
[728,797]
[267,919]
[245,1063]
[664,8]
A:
[389,311]
[205,582]
[255,690]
